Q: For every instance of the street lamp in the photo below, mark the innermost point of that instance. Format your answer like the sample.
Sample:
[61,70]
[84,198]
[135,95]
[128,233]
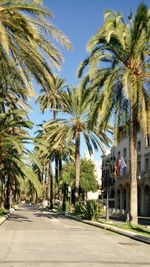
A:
[107,196]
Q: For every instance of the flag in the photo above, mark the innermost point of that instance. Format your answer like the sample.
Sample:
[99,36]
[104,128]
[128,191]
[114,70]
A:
[122,165]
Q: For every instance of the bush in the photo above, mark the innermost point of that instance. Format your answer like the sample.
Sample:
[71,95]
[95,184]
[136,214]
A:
[92,210]
[3,212]
[66,206]
[79,209]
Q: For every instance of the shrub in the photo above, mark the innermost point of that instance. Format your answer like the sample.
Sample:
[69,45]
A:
[66,206]
[79,209]
[93,210]
[3,212]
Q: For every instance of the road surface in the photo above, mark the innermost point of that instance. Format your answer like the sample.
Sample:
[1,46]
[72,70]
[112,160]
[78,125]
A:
[32,237]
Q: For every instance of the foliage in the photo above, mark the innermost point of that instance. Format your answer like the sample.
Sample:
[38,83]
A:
[92,210]
[66,206]
[79,209]
[119,80]
[3,212]
[76,107]
[26,41]
[118,77]
[87,178]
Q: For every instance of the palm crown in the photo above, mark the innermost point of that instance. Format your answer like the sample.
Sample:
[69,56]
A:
[26,36]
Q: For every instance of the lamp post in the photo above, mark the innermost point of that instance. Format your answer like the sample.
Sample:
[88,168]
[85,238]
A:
[107,196]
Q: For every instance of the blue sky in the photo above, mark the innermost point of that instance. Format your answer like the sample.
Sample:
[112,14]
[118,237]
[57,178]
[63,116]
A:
[79,20]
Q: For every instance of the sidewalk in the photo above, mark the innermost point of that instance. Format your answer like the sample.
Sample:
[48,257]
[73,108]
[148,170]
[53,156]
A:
[130,234]
[143,221]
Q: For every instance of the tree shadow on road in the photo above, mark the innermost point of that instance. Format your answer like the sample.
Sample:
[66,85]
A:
[47,215]
[18,218]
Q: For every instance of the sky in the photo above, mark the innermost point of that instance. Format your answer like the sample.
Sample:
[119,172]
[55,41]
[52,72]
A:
[79,20]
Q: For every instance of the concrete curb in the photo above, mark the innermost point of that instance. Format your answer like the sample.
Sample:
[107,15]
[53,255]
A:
[129,234]
[3,219]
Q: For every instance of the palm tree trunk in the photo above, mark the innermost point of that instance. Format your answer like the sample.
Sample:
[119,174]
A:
[60,166]
[57,176]
[11,192]
[51,184]
[60,170]
[133,170]
[77,162]
[2,204]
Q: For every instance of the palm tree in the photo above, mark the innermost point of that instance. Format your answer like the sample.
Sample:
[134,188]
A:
[119,80]
[26,40]
[13,163]
[76,106]
[47,150]
[52,99]
[13,93]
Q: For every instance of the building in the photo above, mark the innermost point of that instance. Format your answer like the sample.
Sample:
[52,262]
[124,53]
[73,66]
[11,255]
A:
[118,187]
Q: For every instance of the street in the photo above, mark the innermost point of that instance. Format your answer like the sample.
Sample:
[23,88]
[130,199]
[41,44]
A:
[32,237]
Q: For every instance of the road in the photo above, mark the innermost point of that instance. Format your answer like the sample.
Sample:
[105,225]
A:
[34,238]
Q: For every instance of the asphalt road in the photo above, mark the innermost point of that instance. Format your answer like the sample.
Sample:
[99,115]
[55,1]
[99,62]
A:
[34,238]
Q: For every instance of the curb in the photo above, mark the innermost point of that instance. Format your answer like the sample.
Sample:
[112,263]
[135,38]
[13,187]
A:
[3,219]
[126,233]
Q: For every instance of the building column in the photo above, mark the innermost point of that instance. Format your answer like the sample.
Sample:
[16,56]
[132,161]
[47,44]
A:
[116,197]
[127,199]
[142,202]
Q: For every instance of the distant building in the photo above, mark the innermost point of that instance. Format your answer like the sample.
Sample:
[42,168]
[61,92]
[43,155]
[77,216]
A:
[119,187]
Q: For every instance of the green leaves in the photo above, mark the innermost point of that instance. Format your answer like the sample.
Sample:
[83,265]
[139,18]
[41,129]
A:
[26,33]
[118,73]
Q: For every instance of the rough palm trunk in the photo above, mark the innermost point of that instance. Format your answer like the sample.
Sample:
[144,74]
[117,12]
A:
[133,170]
[2,204]
[60,166]
[60,171]
[57,176]
[77,162]
[51,184]
[11,192]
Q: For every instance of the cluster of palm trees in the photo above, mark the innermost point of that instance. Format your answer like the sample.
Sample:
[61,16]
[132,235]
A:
[115,87]
[60,139]
[26,34]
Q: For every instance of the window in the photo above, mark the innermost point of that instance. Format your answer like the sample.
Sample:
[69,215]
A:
[138,167]
[139,146]
[146,164]
[147,141]
[124,153]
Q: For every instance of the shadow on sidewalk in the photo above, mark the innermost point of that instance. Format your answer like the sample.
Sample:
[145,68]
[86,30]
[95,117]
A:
[18,218]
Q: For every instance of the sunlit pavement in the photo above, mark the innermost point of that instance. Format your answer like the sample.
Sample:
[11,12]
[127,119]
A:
[33,237]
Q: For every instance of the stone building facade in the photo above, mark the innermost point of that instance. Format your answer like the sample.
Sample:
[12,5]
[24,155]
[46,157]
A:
[119,187]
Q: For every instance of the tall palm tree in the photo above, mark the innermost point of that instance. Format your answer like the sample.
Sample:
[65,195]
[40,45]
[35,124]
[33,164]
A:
[13,164]
[47,151]
[26,40]
[76,107]
[13,93]
[52,99]
[119,80]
